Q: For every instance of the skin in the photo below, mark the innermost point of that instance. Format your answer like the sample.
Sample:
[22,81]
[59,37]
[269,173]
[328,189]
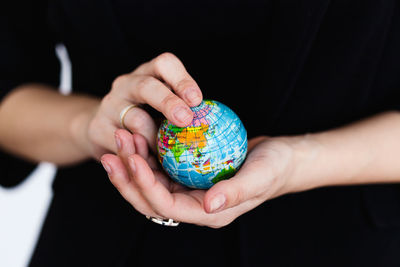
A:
[69,129]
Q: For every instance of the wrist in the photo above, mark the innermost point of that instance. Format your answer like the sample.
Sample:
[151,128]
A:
[304,168]
[79,127]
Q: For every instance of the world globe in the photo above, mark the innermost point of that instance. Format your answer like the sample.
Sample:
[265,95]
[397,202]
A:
[212,148]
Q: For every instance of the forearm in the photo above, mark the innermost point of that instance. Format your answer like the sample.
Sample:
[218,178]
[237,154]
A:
[38,123]
[361,153]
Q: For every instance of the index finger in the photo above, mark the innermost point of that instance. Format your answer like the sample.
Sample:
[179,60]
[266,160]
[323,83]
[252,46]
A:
[168,68]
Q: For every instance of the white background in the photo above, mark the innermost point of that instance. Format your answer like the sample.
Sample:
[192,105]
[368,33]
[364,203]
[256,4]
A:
[24,207]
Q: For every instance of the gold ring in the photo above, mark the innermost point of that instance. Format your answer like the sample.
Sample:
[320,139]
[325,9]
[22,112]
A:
[166,222]
[123,114]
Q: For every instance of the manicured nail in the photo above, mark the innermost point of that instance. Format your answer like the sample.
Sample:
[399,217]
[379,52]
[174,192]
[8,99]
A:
[182,114]
[217,202]
[192,95]
[118,141]
[106,167]
[132,164]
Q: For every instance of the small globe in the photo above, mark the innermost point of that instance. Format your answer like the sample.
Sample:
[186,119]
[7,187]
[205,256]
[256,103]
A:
[210,149]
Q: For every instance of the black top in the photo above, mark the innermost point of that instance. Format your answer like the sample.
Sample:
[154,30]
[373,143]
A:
[285,67]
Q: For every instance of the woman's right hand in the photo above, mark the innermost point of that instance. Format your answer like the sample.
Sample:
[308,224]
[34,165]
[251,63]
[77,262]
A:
[163,83]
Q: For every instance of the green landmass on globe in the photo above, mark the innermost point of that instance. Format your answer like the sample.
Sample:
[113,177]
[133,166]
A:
[212,148]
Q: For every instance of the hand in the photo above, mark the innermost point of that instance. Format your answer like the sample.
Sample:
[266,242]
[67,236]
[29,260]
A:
[149,84]
[264,175]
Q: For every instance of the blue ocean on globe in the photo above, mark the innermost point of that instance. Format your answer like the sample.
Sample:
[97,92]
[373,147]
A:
[212,148]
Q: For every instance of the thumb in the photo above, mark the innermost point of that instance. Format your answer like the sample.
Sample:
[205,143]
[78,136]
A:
[226,194]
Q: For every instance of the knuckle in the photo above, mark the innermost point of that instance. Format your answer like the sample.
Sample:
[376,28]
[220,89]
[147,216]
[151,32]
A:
[107,102]
[238,196]
[185,84]
[145,83]
[170,101]
[107,99]
[119,81]
[218,222]
[235,194]
[163,59]
[166,57]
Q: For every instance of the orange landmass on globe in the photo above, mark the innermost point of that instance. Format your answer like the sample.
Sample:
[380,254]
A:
[193,137]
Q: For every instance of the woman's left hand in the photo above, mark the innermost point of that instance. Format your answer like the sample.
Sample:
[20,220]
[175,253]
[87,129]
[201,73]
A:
[264,175]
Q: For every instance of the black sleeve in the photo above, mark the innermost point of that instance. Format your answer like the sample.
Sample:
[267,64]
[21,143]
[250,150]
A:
[27,55]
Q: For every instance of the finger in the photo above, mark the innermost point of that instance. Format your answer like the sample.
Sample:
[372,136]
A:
[185,206]
[149,185]
[178,206]
[120,178]
[245,185]
[143,151]
[139,121]
[142,148]
[168,68]
[125,145]
[136,119]
[149,90]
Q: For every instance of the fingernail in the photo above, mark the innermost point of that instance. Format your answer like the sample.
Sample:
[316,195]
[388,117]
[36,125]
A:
[182,114]
[106,167]
[118,141]
[132,164]
[217,202]
[192,95]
